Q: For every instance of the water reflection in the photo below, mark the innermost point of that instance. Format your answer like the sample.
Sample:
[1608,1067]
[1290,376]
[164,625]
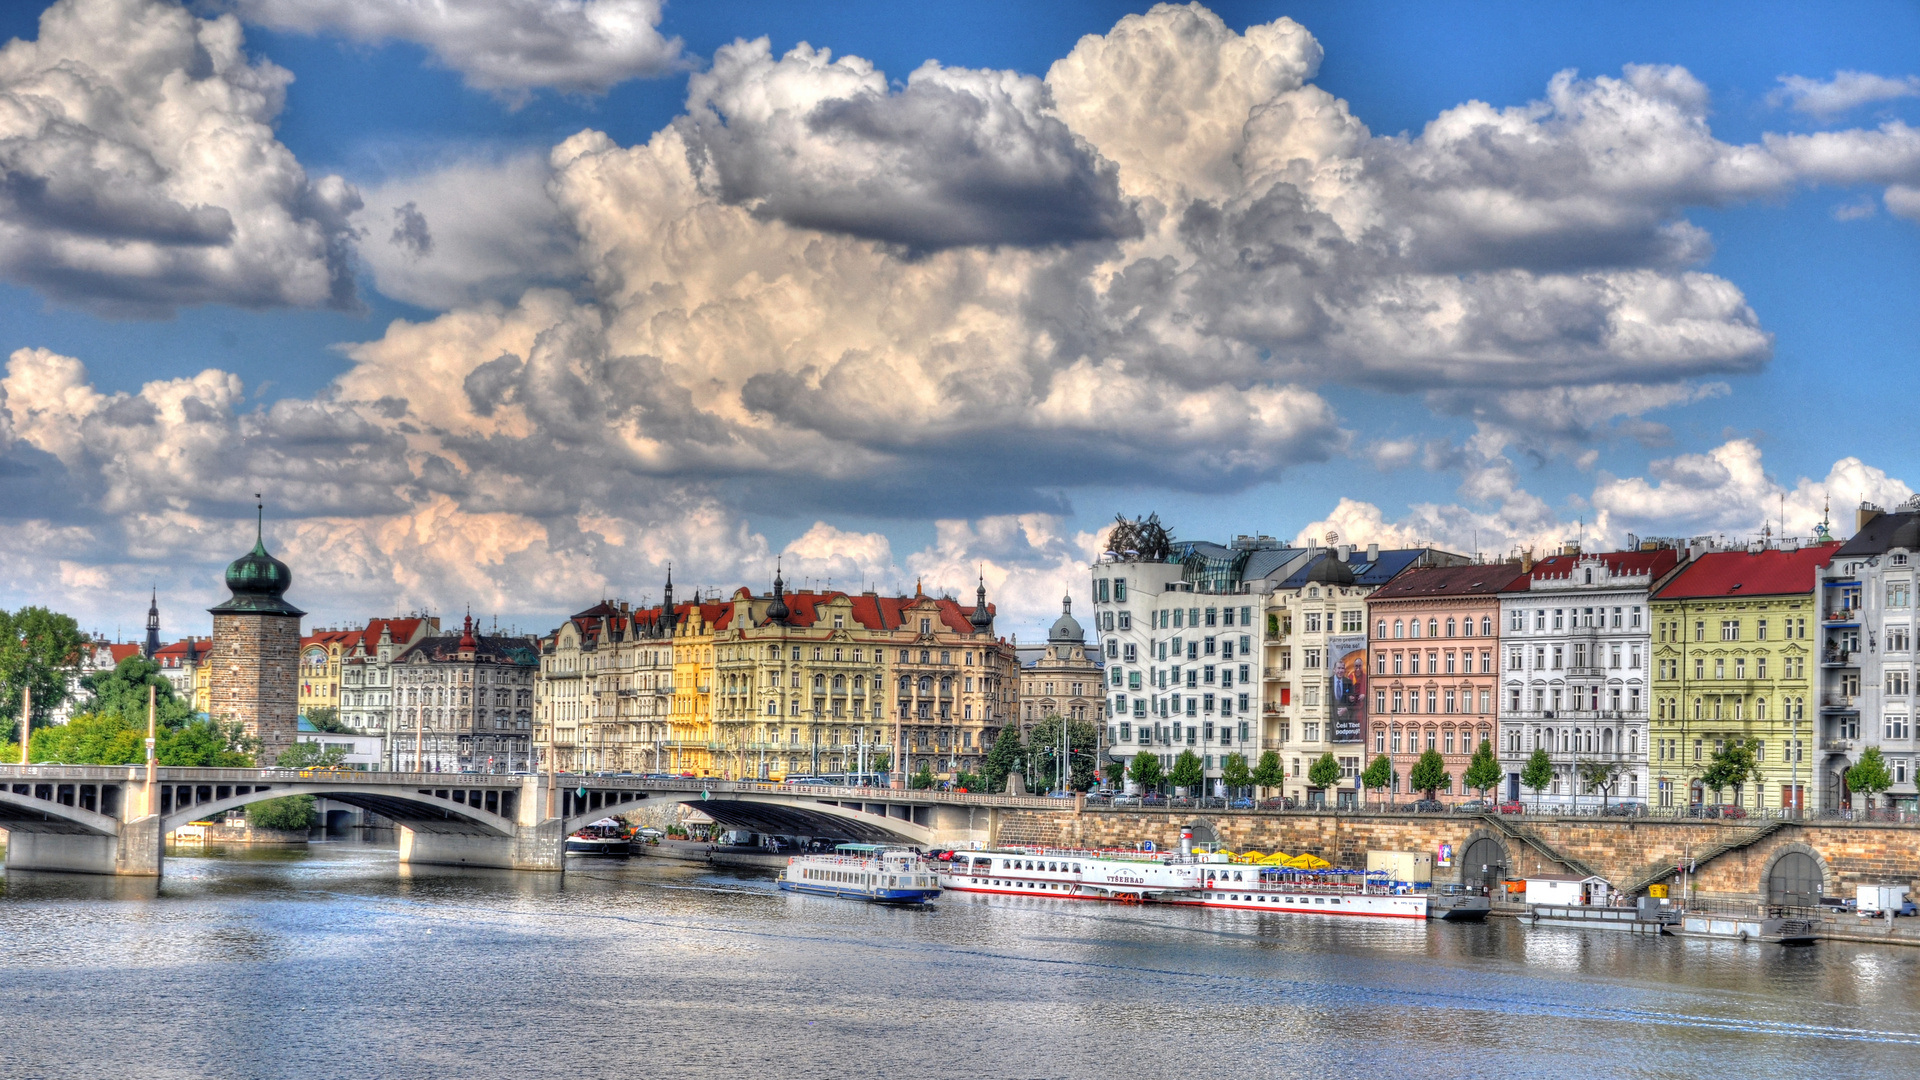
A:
[338,962]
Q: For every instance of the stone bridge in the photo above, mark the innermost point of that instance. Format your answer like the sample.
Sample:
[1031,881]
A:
[110,819]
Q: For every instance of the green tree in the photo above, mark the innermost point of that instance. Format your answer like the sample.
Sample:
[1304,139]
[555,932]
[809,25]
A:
[39,649]
[1146,771]
[1379,774]
[1325,772]
[1600,774]
[1002,758]
[879,763]
[90,739]
[1430,774]
[293,813]
[1538,774]
[1188,773]
[1269,773]
[310,755]
[122,691]
[970,781]
[1233,772]
[1732,764]
[1869,776]
[1043,754]
[1483,772]
[1116,772]
[327,718]
[208,744]
[923,779]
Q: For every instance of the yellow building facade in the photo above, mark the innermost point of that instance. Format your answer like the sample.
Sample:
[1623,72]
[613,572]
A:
[1733,649]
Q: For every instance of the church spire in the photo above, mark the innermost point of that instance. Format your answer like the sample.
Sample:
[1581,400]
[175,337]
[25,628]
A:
[153,625]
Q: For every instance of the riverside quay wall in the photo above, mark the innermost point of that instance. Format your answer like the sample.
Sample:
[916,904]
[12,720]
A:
[1733,860]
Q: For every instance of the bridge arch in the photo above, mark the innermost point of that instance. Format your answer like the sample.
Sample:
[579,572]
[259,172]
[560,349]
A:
[415,810]
[783,814]
[25,813]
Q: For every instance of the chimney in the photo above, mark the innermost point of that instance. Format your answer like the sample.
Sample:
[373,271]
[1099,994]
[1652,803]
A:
[1344,551]
[1866,513]
[1526,560]
[1373,553]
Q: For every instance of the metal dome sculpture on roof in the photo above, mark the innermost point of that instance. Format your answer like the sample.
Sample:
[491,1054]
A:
[1066,629]
[1147,539]
[258,581]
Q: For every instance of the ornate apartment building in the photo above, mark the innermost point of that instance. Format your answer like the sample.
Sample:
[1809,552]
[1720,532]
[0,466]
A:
[605,693]
[1315,669]
[465,703]
[1062,678]
[1866,668]
[366,675]
[827,682]
[1736,638]
[1577,669]
[1433,675]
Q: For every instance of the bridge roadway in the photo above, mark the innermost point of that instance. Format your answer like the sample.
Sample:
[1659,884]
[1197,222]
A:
[110,819]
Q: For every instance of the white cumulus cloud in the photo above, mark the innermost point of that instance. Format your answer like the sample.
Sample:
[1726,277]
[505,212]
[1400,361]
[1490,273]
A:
[139,169]
[510,47]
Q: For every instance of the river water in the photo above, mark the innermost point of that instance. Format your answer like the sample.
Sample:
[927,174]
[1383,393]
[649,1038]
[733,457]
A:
[338,962]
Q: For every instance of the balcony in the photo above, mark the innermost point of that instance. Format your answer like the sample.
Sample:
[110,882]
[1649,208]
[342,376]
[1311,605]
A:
[1838,746]
[1843,617]
[1838,703]
[1586,673]
[1839,658]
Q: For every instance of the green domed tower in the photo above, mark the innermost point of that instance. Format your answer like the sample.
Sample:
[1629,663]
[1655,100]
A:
[256,650]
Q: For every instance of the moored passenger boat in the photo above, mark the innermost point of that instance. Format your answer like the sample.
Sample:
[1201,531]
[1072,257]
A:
[1312,892]
[607,837]
[1050,873]
[871,872]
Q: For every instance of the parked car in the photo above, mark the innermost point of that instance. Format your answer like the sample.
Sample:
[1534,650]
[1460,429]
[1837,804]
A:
[1728,811]
[1278,802]
[1472,806]
[1127,800]
[1837,905]
[1428,806]
[1513,806]
[1153,800]
[1099,798]
[1240,804]
[1210,802]
[1625,809]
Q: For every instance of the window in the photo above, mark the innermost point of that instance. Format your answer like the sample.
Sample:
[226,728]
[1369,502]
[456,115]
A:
[1119,590]
[1899,594]
[1313,622]
[1897,684]
[1351,622]
[1126,620]
[1380,629]
[1730,630]
[1896,728]
[1397,626]
[1100,596]
[1517,620]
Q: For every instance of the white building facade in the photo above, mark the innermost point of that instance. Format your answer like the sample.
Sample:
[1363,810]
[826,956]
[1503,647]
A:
[1180,635]
[1867,673]
[1576,674]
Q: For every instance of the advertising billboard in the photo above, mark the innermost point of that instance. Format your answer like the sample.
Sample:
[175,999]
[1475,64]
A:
[1347,712]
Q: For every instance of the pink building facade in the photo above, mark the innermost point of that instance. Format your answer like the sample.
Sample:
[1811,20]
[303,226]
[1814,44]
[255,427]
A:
[1434,669]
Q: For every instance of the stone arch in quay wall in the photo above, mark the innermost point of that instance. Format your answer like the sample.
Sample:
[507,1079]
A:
[1796,875]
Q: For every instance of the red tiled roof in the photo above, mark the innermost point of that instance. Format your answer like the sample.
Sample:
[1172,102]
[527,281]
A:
[1649,563]
[121,652]
[1482,579]
[1772,572]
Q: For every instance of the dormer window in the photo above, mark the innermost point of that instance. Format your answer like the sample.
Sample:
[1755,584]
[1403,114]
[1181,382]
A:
[839,622]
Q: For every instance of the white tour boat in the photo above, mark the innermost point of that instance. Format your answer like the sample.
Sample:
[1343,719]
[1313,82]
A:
[1206,879]
[1249,887]
[1124,876]
[871,872]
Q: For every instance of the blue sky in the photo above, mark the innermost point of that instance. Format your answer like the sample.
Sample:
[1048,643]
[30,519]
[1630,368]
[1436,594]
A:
[1826,265]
